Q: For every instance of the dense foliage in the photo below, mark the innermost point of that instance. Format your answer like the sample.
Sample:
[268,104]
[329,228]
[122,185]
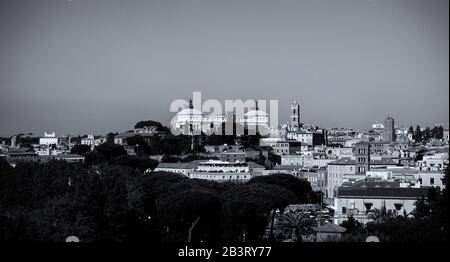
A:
[115,201]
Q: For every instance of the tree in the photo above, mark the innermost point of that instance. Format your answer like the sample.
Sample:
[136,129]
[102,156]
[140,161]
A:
[175,145]
[427,135]
[170,159]
[274,158]
[425,205]
[42,205]
[296,224]
[398,229]
[380,216]
[440,132]
[26,141]
[437,132]
[155,184]
[352,225]
[248,209]
[80,149]
[135,162]
[261,160]
[411,131]
[141,147]
[148,123]
[441,212]
[184,211]
[121,203]
[434,210]
[418,134]
[301,188]
[110,137]
[110,150]
[94,158]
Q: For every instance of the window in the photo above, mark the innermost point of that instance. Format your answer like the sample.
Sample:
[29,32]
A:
[431,181]
[344,210]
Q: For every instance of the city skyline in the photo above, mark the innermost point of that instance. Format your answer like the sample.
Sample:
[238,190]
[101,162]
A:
[398,124]
[79,67]
[196,124]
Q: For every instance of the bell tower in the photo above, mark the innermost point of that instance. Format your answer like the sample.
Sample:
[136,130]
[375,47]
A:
[295,124]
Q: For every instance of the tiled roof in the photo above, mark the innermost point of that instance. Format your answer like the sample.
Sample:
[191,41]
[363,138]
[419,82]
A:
[180,165]
[381,189]
[20,150]
[383,162]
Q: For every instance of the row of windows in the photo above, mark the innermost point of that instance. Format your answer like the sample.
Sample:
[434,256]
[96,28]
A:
[361,150]
[361,160]
[281,145]
[211,176]
[337,168]
[281,151]
[368,206]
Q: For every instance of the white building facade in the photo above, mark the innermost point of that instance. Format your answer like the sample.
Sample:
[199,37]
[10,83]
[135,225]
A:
[48,139]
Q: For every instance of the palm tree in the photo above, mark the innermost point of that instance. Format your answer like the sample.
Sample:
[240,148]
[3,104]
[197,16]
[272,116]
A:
[380,215]
[297,224]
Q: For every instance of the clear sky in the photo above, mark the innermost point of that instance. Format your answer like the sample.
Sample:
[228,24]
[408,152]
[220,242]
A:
[94,66]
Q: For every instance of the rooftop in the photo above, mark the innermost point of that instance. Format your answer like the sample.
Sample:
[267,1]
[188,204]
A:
[69,156]
[384,161]
[381,189]
[343,161]
[287,167]
[180,165]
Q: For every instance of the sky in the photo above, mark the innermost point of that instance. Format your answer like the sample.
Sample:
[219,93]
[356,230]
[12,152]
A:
[95,66]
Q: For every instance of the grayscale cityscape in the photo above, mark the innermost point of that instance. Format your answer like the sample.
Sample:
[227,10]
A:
[224,121]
